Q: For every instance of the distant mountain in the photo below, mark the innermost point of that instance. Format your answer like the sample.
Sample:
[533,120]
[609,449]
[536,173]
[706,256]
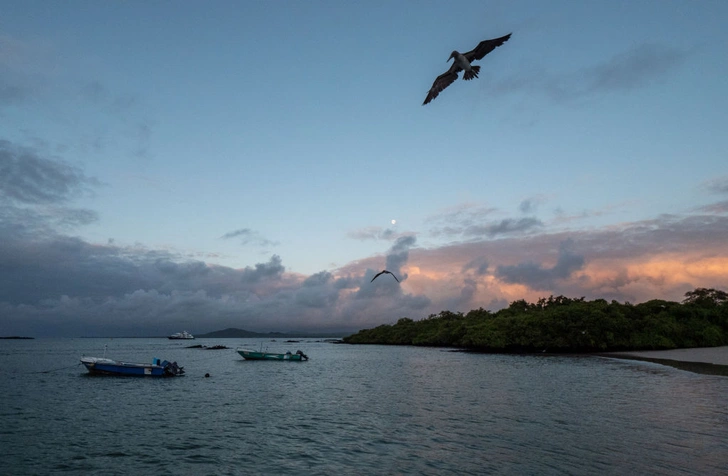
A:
[233,333]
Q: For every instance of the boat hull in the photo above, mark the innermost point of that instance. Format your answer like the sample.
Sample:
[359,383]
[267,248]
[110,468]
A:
[103,366]
[256,355]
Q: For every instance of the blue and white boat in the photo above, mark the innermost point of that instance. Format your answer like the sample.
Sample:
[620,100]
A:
[158,368]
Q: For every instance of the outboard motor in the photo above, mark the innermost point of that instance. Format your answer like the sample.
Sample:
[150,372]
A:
[303,356]
[172,369]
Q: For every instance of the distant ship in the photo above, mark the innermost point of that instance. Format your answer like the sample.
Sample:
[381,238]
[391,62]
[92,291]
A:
[182,335]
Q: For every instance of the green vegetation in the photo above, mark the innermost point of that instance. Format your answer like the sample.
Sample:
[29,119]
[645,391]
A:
[561,324]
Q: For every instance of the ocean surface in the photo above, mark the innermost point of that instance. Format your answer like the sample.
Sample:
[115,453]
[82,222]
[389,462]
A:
[353,410]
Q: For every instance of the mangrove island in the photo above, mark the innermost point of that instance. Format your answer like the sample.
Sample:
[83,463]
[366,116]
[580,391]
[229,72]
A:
[566,325]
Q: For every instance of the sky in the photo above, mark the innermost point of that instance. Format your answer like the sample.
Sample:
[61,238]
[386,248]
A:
[169,166]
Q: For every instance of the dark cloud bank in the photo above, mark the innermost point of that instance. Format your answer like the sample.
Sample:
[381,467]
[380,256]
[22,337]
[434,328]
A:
[54,284]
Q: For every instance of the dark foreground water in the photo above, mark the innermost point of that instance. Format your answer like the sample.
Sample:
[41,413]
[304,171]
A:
[353,410]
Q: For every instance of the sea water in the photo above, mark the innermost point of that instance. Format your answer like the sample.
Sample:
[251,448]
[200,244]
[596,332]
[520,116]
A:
[352,410]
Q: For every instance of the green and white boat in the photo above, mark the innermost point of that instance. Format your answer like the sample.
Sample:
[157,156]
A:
[261,355]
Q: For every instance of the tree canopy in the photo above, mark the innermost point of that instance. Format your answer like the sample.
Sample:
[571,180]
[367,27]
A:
[562,324]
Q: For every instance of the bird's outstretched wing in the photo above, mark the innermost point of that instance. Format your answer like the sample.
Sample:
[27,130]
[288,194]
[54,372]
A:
[383,272]
[485,47]
[441,82]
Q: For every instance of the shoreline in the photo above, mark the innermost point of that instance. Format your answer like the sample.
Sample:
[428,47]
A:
[702,360]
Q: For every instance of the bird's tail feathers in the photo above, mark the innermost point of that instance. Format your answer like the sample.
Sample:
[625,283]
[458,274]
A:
[473,73]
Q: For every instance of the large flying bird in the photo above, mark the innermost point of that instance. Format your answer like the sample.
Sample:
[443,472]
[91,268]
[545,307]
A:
[462,62]
[382,272]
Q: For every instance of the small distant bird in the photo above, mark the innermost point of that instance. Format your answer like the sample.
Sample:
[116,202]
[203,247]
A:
[383,272]
[462,62]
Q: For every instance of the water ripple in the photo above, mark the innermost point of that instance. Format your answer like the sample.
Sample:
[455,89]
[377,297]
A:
[356,410]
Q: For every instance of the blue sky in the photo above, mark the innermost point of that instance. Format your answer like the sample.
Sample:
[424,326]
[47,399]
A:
[204,165]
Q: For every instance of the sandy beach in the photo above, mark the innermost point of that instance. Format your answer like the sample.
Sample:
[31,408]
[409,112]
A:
[705,360]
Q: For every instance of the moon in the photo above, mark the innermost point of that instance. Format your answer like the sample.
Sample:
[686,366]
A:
[394,222]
